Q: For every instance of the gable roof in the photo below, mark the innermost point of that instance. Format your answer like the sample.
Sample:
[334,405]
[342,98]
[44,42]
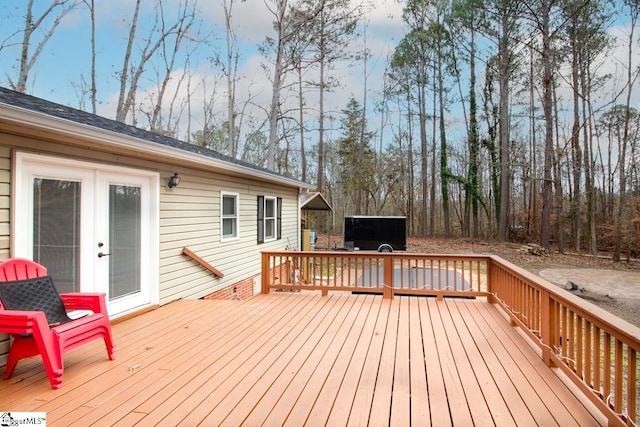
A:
[27,111]
[314,202]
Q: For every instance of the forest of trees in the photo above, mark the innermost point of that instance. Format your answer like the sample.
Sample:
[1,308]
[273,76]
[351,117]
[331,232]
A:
[497,119]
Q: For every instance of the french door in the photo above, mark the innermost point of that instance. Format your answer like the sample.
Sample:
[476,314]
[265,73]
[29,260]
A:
[93,226]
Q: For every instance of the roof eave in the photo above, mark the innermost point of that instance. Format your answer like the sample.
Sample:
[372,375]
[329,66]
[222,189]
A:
[36,120]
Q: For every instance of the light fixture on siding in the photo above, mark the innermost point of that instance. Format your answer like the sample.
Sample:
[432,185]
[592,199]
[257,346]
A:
[174,180]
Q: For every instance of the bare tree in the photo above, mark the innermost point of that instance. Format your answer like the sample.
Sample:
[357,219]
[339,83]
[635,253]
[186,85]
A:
[34,25]
[507,27]
[632,76]
[595,45]
[301,121]
[330,35]
[413,57]
[170,48]
[132,72]
[547,86]
[231,70]
[468,17]
[502,28]
[295,26]
[93,90]
[286,29]
[585,38]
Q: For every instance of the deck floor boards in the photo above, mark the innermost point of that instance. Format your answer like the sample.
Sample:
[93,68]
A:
[299,358]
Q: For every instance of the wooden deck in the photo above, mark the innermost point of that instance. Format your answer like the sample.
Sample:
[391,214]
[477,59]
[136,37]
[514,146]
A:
[302,358]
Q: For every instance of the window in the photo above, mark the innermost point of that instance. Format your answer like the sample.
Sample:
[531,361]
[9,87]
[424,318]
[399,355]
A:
[229,216]
[269,218]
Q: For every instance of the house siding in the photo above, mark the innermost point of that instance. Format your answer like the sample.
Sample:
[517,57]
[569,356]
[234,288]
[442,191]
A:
[189,217]
[5,199]
[5,226]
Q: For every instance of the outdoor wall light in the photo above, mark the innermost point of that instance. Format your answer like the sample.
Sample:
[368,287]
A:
[174,180]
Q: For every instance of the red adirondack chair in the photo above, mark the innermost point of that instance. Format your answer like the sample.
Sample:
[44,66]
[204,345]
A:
[35,315]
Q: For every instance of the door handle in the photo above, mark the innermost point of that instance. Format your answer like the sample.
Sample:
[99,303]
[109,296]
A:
[101,254]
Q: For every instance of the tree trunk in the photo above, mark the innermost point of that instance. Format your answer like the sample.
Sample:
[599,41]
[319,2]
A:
[424,184]
[558,181]
[274,111]
[505,138]
[361,146]
[432,202]
[623,185]
[230,72]
[576,202]
[94,90]
[532,223]
[631,76]
[185,20]
[303,153]
[547,82]
[474,143]
[411,174]
[320,179]
[121,111]
[444,167]
[31,25]
[588,161]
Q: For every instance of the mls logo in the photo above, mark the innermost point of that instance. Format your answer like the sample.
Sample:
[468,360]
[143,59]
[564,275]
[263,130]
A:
[6,420]
[10,419]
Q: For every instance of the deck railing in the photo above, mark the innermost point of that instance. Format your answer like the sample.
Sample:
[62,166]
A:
[596,350]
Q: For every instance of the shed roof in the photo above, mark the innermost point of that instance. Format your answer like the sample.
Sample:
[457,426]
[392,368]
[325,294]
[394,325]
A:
[314,202]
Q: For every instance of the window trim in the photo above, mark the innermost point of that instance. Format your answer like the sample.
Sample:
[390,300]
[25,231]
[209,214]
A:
[236,196]
[274,218]
[277,218]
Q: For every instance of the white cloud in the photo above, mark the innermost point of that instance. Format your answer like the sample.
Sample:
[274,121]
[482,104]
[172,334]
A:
[252,23]
[251,20]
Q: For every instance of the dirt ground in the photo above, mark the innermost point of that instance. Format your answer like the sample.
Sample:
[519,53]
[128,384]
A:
[612,286]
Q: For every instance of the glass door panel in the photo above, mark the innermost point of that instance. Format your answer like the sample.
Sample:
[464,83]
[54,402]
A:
[56,230]
[125,222]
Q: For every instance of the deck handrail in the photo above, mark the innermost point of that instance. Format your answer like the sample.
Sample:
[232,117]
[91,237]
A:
[188,252]
[598,351]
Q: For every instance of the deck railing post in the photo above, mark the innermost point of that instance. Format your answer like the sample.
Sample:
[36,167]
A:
[547,326]
[265,273]
[490,287]
[388,277]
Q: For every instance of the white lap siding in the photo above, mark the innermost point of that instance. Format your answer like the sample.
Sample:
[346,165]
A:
[5,227]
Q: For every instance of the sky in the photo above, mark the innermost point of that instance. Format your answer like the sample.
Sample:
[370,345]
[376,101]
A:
[66,55]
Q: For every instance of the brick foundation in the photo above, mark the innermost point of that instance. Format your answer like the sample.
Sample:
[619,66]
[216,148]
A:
[244,288]
[239,290]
